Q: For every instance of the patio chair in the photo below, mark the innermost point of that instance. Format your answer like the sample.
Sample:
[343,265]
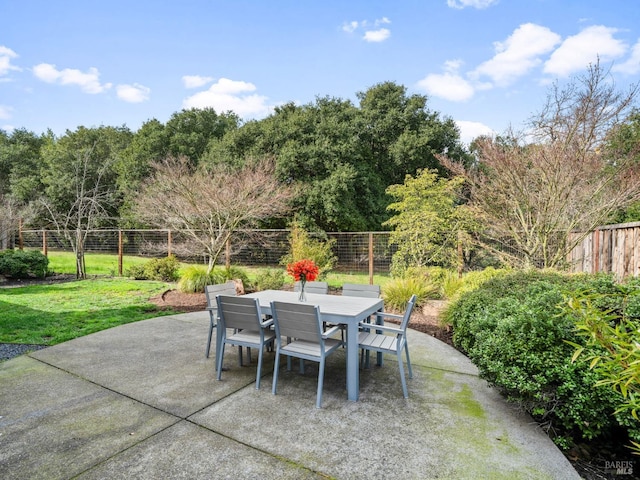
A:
[313,287]
[243,315]
[387,339]
[302,323]
[360,290]
[210,292]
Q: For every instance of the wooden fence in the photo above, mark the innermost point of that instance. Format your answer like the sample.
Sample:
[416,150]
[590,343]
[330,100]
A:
[612,249]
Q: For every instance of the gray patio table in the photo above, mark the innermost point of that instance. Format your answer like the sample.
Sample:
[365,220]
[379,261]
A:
[337,309]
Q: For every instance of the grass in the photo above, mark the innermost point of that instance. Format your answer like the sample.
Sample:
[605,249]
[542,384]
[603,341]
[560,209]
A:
[95,263]
[51,314]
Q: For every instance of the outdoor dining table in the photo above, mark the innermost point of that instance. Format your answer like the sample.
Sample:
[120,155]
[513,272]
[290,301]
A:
[349,311]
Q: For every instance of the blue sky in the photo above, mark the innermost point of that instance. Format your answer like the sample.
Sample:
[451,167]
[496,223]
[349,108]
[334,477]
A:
[487,64]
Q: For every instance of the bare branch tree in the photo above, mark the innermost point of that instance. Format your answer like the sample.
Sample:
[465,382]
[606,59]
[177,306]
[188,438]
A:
[531,196]
[207,205]
[86,208]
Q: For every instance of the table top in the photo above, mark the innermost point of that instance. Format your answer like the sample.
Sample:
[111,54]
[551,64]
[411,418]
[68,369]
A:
[333,308]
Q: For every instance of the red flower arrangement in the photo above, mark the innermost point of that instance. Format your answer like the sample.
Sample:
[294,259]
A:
[303,270]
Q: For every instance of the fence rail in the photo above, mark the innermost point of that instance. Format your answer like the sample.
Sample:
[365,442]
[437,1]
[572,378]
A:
[356,251]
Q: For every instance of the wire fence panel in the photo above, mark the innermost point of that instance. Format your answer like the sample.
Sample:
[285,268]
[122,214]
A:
[356,252]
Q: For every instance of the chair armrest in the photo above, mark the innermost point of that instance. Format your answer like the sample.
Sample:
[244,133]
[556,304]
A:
[266,323]
[388,315]
[383,328]
[331,331]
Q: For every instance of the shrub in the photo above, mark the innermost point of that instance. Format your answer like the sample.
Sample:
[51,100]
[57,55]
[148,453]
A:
[160,269]
[269,279]
[453,285]
[302,246]
[194,278]
[23,264]
[397,292]
[511,329]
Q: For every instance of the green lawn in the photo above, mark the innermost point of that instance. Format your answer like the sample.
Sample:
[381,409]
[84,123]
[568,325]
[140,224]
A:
[51,314]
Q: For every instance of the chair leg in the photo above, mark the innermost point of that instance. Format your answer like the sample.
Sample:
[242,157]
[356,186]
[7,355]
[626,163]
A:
[320,383]
[259,371]
[405,392]
[406,349]
[276,367]
[220,356]
[211,327]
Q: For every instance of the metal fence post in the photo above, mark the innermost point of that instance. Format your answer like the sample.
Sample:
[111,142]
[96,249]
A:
[120,253]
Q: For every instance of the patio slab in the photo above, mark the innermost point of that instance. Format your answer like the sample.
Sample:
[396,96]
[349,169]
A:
[141,401]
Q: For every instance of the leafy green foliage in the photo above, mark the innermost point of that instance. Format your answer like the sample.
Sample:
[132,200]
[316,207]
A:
[194,278]
[269,279]
[23,263]
[303,246]
[160,269]
[397,292]
[511,329]
[453,285]
[609,326]
[428,223]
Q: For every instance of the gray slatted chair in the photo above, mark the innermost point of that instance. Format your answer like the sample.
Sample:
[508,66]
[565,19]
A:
[210,292]
[376,338]
[313,287]
[303,324]
[360,290]
[243,315]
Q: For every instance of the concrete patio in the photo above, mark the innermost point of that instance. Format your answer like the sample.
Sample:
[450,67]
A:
[141,401]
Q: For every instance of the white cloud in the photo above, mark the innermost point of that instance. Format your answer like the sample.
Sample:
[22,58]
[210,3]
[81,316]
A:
[479,4]
[5,112]
[231,95]
[135,93]
[195,81]
[632,65]
[6,55]
[449,86]
[350,27]
[373,32]
[89,82]
[578,51]
[7,128]
[471,130]
[517,55]
[377,35]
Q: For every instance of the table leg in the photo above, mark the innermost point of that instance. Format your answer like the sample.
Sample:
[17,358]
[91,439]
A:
[353,370]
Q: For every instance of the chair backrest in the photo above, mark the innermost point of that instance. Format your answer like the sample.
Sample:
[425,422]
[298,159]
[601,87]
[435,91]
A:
[239,312]
[407,312]
[360,290]
[313,287]
[211,291]
[297,321]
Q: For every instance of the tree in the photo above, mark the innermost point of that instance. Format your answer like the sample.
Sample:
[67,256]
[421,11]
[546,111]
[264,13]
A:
[532,190]
[80,184]
[428,222]
[207,204]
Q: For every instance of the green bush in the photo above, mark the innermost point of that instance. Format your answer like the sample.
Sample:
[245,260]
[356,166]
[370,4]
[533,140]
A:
[302,245]
[511,328]
[23,264]
[453,285]
[194,278]
[397,292]
[161,269]
[269,279]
